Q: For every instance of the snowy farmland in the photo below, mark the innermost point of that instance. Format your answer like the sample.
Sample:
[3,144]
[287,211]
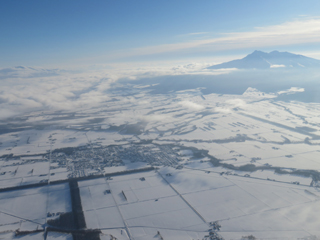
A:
[30,208]
[181,204]
[170,169]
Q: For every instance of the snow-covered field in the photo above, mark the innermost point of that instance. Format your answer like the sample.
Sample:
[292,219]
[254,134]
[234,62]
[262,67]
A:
[141,205]
[180,204]
[29,209]
[249,161]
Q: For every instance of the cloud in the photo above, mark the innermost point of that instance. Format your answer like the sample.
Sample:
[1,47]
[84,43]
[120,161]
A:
[25,89]
[277,66]
[191,105]
[301,31]
[193,34]
[230,104]
[29,72]
[6,113]
[222,110]
[292,90]
[157,118]
[198,33]
[237,102]
[198,69]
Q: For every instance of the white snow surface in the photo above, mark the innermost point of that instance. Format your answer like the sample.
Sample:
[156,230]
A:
[185,131]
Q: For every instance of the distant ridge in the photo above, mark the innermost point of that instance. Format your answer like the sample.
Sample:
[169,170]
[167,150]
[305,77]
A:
[275,59]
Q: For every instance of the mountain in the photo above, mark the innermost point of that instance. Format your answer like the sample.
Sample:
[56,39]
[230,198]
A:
[275,59]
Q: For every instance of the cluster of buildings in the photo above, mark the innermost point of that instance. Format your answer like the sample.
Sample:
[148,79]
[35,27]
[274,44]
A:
[89,160]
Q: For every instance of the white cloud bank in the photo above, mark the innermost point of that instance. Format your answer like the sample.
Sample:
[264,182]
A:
[28,89]
[25,89]
[191,105]
[292,90]
[230,104]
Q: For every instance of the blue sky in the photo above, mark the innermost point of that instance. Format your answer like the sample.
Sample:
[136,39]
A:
[71,32]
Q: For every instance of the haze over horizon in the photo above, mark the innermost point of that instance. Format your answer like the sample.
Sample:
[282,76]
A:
[115,33]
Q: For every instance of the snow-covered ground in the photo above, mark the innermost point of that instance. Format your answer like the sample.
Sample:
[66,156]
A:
[27,209]
[199,144]
[180,204]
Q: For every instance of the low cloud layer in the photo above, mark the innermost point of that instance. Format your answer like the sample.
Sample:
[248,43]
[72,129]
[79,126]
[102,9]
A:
[292,90]
[26,89]
[29,72]
[29,89]
[191,105]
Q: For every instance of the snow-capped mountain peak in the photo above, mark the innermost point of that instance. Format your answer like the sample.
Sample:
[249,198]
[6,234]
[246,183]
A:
[274,59]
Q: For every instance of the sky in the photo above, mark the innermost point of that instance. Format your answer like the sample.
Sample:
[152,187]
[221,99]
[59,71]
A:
[80,32]
[66,54]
